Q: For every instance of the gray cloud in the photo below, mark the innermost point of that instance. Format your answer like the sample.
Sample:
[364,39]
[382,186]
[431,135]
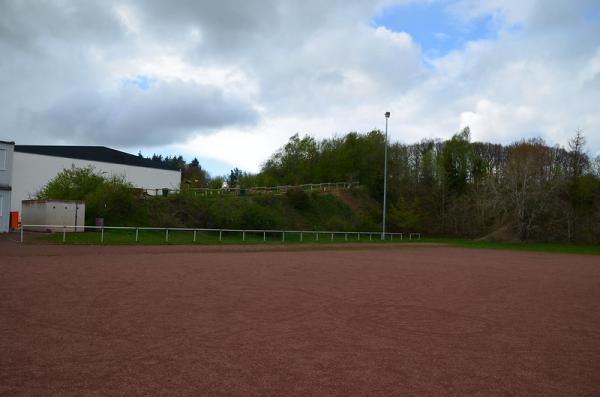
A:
[33,25]
[163,114]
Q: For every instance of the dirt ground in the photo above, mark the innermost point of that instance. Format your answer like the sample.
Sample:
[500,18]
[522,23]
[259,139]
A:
[409,320]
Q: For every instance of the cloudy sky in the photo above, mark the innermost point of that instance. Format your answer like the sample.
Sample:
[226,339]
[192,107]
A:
[230,81]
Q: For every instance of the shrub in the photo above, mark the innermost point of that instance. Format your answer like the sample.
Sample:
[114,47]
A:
[298,198]
[113,198]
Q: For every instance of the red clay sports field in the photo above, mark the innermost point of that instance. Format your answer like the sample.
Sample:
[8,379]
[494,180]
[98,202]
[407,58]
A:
[405,320]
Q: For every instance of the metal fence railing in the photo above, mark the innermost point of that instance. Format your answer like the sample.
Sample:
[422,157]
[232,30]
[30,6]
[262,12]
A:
[300,235]
[237,191]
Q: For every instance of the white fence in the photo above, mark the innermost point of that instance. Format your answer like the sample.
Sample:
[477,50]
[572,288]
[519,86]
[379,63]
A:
[236,191]
[303,235]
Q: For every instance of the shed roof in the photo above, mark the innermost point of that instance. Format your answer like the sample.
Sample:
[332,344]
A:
[92,153]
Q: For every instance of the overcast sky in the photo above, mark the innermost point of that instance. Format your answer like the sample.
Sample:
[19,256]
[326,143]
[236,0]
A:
[230,81]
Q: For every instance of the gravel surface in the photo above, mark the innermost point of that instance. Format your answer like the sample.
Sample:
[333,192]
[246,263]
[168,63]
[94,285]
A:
[351,320]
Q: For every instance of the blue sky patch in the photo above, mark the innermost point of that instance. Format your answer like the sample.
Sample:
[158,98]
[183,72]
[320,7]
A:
[213,166]
[142,82]
[433,27]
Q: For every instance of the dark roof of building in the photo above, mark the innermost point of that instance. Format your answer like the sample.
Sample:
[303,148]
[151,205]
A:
[92,153]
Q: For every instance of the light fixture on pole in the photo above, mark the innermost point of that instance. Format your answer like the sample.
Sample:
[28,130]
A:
[387,116]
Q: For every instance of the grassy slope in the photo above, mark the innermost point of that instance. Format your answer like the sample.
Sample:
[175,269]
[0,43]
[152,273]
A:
[309,212]
[344,211]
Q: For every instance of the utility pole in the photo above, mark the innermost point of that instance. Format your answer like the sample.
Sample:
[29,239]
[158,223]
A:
[387,116]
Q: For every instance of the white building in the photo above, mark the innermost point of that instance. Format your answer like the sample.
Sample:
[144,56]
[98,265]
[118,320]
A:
[6,159]
[34,166]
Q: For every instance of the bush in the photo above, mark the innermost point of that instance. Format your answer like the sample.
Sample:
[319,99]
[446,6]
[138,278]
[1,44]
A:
[113,198]
[298,198]
[72,184]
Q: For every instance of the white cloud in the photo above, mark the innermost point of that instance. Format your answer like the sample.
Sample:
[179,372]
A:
[233,80]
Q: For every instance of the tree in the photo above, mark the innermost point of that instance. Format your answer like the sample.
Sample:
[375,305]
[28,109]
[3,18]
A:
[293,164]
[216,182]
[72,184]
[194,176]
[595,167]
[530,181]
[456,157]
[234,177]
[579,160]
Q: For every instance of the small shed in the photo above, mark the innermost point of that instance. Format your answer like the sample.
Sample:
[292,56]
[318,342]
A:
[54,215]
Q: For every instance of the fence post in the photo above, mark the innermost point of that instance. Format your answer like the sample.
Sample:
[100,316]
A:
[283,236]
[346,236]
[391,237]
[370,236]
[166,235]
[194,236]
[137,234]
[220,235]
[21,234]
[331,236]
[300,236]
[264,236]
[358,236]
[243,235]
[317,236]
[102,234]
[64,233]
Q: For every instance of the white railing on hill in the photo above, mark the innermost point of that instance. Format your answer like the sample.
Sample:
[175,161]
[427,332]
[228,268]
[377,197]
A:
[314,234]
[237,191]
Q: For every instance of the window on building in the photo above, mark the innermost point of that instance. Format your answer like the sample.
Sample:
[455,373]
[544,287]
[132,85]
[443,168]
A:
[3,159]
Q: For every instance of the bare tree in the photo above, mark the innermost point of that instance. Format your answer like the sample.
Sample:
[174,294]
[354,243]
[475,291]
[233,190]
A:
[595,167]
[529,182]
[579,159]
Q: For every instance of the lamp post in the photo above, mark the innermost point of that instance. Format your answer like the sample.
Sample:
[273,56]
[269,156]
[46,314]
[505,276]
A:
[387,116]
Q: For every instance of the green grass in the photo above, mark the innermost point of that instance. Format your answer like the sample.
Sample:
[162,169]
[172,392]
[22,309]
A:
[532,247]
[155,237]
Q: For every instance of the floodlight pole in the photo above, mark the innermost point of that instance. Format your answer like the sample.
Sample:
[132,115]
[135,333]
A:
[387,116]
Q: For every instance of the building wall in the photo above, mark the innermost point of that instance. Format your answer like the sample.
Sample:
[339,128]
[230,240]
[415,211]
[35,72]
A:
[6,162]
[54,212]
[31,172]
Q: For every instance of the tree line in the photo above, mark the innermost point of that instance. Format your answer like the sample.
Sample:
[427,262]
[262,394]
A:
[526,191]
